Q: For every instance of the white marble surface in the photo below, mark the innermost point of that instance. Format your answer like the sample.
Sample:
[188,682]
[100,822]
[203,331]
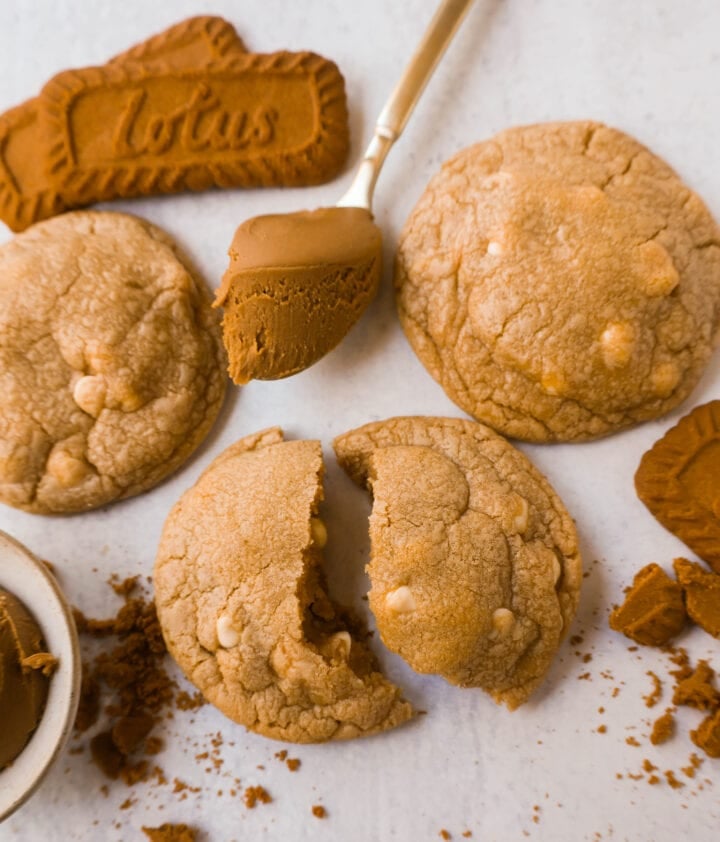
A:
[650,68]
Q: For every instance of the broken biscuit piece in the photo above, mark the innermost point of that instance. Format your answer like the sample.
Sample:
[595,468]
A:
[678,479]
[653,611]
[702,594]
[243,606]
[475,567]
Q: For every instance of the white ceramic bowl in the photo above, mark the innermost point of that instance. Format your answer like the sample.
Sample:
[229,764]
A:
[30,581]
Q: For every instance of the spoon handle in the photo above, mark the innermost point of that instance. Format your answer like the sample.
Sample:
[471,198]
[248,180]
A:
[402,101]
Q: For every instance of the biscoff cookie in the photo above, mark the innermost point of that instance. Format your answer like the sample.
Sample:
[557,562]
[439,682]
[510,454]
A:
[475,567]
[248,120]
[560,282]
[111,362]
[27,194]
[678,479]
[243,607]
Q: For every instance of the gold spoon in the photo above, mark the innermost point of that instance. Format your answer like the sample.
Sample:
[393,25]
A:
[298,282]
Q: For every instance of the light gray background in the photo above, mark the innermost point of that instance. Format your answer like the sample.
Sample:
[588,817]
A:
[650,68]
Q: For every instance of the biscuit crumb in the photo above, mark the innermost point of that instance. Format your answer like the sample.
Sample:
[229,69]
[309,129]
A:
[653,697]
[132,672]
[319,811]
[293,763]
[444,834]
[672,780]
[663,728]
[253,794]
[170,833]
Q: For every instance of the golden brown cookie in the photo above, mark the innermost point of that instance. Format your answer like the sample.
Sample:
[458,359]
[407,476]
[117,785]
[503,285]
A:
[678,479]
[475,567]
[111,362]
[560,282]
[243,607]
[26,192]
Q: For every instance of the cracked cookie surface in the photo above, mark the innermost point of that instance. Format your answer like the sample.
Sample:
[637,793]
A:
[475,568]
[243,607]
[560,282]
[111,362]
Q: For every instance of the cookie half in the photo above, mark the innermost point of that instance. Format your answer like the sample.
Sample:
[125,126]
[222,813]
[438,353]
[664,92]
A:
[475,567]
[111,362]
[243,607]
[560,282]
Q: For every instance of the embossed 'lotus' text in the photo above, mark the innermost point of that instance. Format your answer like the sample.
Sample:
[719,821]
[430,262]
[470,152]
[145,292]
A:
[201,124]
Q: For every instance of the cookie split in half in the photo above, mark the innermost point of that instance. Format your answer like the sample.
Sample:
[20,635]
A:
[560,282]
[242,602]
[475,568]
[475,574]
[111,362]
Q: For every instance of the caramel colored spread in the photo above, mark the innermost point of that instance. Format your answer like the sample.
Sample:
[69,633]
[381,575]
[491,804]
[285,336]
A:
[653,610]
[295,286]
[702,594]
[23,676]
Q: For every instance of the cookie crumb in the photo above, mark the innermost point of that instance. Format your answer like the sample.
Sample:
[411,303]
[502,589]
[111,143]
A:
[255,794]
[319,811]
[293,763]
[653,697]
[672,780]
[663,728]
[444,834]
[170,833]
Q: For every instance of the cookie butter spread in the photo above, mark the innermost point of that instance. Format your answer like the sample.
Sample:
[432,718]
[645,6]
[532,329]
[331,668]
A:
[24,676]
[295,286]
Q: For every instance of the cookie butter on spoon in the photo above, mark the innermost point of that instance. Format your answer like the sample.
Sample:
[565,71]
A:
[298,282]
[295,285]
[25,667]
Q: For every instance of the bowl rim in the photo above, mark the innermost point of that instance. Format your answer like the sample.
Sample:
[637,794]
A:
[45,745]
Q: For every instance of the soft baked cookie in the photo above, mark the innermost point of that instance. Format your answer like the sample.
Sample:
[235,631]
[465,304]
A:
[243,607]
[111,362]
[560,282]
[475,567]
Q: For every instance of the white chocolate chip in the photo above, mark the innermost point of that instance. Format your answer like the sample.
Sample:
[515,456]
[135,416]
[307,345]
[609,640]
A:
[553,382]
[494,247]
[401,600]
[617,342]
[89,394]
[318,531]
[520,516]
[556,570]
[503,620]
[227,635]
[67,470]
[341,643]
[664,378]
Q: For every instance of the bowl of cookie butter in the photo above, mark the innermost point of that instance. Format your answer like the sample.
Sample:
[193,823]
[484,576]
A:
[40,672]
